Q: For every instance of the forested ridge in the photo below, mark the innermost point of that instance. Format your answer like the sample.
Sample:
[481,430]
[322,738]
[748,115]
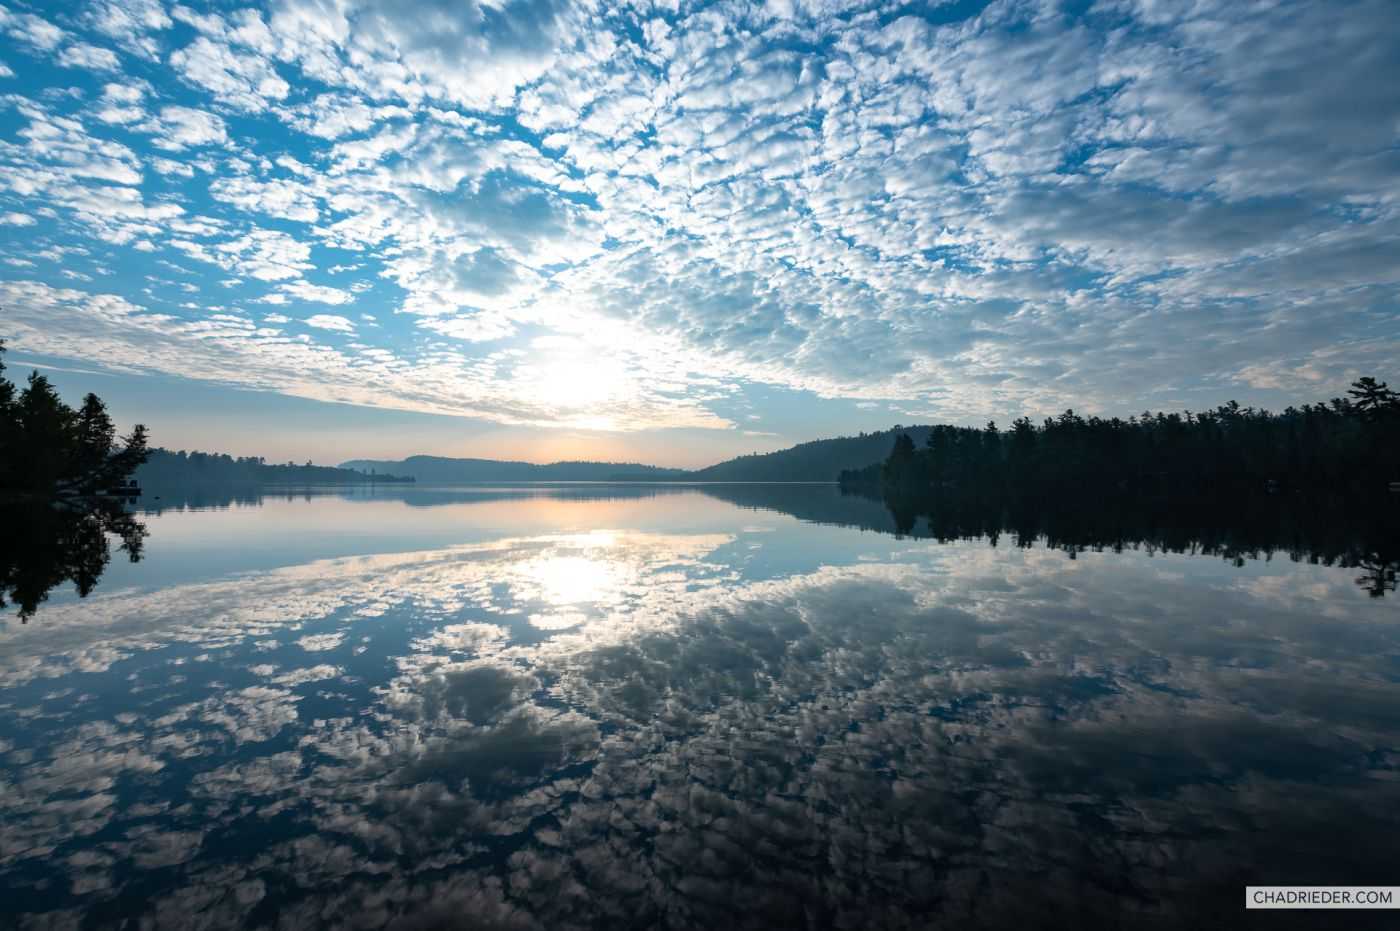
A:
[1346,443]
[814,461]
[164,468]
[446,470]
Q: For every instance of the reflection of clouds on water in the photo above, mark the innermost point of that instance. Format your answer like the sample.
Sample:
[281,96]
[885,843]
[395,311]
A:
[847,746]
[615,569]
[318,642]
[308,674]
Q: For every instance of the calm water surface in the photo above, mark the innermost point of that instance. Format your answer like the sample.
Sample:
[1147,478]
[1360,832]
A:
[618,707]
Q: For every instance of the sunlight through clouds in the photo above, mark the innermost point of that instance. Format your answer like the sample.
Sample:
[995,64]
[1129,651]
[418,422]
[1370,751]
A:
[642,217]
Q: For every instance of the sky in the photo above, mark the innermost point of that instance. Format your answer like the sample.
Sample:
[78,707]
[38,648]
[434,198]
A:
[675,232]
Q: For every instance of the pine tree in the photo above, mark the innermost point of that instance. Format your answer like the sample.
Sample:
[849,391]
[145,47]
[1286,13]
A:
[49,449]
[1373,400]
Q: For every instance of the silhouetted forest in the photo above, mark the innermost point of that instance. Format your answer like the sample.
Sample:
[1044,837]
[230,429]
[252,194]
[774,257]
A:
[166,468]
[54,461]
[814,461]
[48,449]
[1350,443]
[444,470]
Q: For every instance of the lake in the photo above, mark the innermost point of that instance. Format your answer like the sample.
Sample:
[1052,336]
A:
[715,707]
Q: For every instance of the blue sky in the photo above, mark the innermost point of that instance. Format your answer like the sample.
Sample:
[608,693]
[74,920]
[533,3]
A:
[674,232]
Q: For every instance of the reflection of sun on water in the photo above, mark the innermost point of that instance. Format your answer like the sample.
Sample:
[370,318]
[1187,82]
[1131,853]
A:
[572,580]
[589,577]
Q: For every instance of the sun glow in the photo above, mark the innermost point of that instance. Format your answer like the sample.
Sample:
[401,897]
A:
[575,375]
[574,580]
[582,578]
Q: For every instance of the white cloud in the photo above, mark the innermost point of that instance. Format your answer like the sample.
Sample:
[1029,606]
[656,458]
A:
[1013,212]
[58,154]
[332,116]
[34,31]
[274,197]
[319,294]
[331,322]
[121,103]
[171,168]
[16,219]
[179,128]
[474,54]
[262,254]
[246,81]
[82,55]
[638,389]
[131,23]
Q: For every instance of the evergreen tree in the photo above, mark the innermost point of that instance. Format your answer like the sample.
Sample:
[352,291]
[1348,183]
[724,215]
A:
[8,425]
[49,449]
[95,434]
[898,468]
[45,439]
[1374,400]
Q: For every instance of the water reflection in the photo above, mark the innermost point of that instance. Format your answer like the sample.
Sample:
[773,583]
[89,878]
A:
[1346,530]
[45,546]
[644,724]
[1358,532]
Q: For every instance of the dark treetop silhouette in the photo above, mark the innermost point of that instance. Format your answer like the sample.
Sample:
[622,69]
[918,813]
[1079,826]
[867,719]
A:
[164,469]
[55,463]
[1235,481]
[49,450]
[1345,444]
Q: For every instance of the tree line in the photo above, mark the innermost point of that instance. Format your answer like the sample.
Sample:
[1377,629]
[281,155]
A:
[48,449]
[55,460]
[166,468]
[1350,443]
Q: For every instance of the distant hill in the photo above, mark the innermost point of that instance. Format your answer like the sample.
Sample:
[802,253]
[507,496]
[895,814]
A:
[446,471]
[164,468]
[817,461]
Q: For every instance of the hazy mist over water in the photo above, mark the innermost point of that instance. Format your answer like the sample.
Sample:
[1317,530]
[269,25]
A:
[605,706]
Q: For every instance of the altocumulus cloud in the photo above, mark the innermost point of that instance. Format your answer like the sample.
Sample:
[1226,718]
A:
[958,212]
[330,322]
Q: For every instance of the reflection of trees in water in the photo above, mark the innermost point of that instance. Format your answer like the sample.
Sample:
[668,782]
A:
[1378,575]
[1344,531]
[206,496]
[952,741]
[927,745]
[47,544]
